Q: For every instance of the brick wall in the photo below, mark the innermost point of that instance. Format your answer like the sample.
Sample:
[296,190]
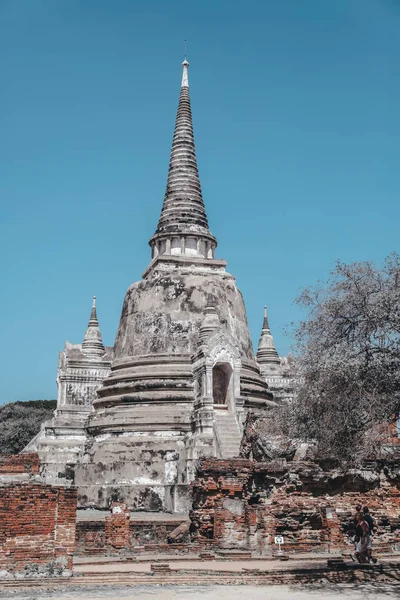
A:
[97,537]
[16,464]
[244,505]
[116,526]
[37,529]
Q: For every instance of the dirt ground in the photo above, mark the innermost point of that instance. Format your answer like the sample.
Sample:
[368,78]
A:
[216,592]
[205,565]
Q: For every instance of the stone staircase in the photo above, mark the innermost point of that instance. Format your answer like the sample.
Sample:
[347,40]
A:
[228,434]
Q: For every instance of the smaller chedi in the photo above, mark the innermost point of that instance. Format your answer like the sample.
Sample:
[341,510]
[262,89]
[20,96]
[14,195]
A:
[278,371]
[82,369]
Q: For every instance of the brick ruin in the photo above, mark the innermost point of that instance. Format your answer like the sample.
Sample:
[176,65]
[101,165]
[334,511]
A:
[19,464]
[37,522]
[238,505]
[242,504]
[121,533]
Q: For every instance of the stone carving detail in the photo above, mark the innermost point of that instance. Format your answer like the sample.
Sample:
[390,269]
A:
[80,394]
[221,347]
[199,385]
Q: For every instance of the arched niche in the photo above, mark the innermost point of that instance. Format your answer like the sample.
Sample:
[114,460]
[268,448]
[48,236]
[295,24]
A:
[221,384]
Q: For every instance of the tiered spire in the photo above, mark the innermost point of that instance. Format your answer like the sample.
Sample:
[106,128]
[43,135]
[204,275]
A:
[266,353]
[210,321]
[183,213]
[92,344]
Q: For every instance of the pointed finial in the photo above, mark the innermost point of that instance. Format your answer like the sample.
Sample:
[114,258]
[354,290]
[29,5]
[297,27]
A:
[265,322]
[185,77]
[93,315]
[92,344]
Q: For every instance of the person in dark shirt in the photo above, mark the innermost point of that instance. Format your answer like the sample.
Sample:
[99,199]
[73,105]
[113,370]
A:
[371,526]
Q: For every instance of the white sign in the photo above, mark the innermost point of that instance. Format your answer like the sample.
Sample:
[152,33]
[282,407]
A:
[279,540]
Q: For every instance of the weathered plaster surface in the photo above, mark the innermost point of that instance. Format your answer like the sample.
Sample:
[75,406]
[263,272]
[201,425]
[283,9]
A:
[163,314]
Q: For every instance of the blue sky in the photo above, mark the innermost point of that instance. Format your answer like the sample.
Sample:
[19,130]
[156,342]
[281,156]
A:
[296,116]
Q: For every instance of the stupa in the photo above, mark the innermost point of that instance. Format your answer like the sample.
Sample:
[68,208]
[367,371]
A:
[183,374]
[277,371]
[82,369]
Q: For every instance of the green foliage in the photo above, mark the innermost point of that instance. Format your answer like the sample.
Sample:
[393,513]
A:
[21,421]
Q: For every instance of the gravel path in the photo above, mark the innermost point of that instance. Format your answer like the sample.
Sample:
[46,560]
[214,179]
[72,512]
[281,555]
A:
[219,592]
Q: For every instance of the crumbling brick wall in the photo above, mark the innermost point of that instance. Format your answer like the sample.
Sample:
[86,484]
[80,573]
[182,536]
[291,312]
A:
[241,504]
[17,464]
[218,501]
[152,535]
[116,527]
[90,537]
[37,529]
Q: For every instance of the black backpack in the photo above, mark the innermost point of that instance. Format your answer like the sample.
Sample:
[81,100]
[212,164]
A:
[370,522]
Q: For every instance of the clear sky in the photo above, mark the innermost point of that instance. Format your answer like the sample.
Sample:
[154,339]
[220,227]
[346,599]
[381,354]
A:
[296,116]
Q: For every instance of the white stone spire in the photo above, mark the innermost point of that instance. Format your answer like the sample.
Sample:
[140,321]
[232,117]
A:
[185,74]
[92,344]
[93,315]
[266,353]
[183,226]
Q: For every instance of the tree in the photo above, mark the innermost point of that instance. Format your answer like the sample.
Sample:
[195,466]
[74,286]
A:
[21,421]
[348,354]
